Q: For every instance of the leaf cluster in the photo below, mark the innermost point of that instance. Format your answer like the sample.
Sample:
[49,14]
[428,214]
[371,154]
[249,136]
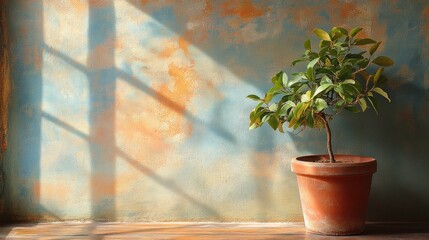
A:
[336,78]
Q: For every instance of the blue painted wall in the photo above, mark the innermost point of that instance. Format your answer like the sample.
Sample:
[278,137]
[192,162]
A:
[136,110]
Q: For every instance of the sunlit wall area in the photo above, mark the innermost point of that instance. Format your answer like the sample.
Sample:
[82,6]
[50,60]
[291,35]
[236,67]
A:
[136,110]
[65,158]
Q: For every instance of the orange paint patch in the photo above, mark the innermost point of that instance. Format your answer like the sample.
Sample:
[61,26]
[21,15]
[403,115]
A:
[176,94]
[99,4]
[136,129]
[36,190]
[33,56]
[245,9]
[119,44]
[79,5]
[184,45]
[306,18]
[348,9]
[263,164]
[341,13]
[146,127]
[103,127]
[168,50]
[198,22]
[55,190]
[102,186]
[143,2]
[102,56]
[368,17]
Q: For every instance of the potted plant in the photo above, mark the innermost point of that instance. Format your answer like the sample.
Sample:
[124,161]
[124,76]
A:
[339,76]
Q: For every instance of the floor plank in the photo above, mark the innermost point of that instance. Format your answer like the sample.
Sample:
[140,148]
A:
[79,230]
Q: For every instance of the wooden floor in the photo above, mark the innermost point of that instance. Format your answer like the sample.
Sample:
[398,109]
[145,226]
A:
[78,230]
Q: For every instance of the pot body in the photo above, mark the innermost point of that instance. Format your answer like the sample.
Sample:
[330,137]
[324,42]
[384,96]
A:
[334,196]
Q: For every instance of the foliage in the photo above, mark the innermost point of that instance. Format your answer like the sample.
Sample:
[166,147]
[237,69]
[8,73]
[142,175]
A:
[336,78]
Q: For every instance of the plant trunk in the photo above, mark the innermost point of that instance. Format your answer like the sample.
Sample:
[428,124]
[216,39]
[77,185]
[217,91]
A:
[328,140]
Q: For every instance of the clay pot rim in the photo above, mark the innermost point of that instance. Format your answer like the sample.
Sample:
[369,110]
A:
[354,165]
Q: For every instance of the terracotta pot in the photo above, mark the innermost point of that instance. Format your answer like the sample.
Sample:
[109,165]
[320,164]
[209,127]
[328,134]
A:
[334,196]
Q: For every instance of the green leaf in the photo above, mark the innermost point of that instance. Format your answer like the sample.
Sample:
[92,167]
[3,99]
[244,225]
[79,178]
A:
[382,80]
[265,117]
[312,55]
[275,78]
[292,122]
[335,35]
[288,105]
[340,103]
[273,121]
[322,34]
[301,89]
[341,30]
[306,97]
[325,79]
[285,80]
[254,97]
[362,63]
[307,45]
[373,103]
[362,104]
[383,61]
[320,104]
[254,125]
[355,31]
[345,72]
[324,43]
[377,75]
[296,80]
[272,92]
[374,48]
[382,93]
[273,107]
[321,88]
[364,41]
[297,108]
[310,74]
[352,109]
[300,108]
[252,116]
[338,89]
[323,51]
[299,60]
[312,63]
[309,119]
[348,81]
[257,106]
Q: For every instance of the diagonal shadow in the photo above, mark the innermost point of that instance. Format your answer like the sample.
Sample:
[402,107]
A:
[164,14]
[135,82]
[167,183]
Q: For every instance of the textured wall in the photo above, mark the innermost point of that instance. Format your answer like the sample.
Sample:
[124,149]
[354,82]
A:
[4,96]
[135,110]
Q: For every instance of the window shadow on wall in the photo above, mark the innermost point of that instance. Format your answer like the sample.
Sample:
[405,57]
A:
[116,152]
[102,89]
[22,159]
[166,183]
